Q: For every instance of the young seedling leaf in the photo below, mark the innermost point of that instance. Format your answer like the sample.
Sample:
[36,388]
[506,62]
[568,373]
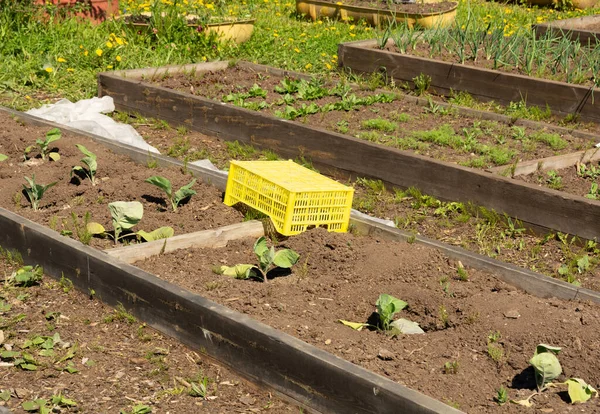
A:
[241,271]
[33,405]
[579,390]
[525,403]
[546,366]
[541,348]
[54,156]
[357,326]
[53,135]
[387,307]
[35,192]
[184,192]
[285,258]
[260,246]
[126,214]
[85,151]
[29,367]
[162,183]
[95,228]
[160,233]
[3,157]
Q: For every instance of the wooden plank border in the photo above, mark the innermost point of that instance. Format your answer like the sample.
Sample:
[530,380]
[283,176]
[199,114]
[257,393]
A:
[549,163]
[484,84]
[573,29]
[349,157]
[213,238]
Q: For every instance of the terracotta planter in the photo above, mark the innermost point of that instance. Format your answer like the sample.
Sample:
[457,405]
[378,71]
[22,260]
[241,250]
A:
[317,9]
[97,10]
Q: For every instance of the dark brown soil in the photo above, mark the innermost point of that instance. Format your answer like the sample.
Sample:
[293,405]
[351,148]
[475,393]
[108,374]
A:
[119,179]
[568,180]
[433,132]
[399,7]
[120,362]
[340,276]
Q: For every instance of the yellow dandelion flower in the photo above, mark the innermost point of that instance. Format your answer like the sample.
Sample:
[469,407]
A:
[109,66]
[118,58]
[328,66]
[70,70]
[49,69]
[109,44]
[297,50]
[308,65]
[352,35]
[61,60]
[275,35]
[86,53]
[99,52]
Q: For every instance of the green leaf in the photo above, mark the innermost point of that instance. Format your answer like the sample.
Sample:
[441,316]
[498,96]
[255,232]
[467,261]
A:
[63,401]
[160,233]
[54,156]
[141,409]
[53,135]
[387,307]
[46,353]
[29,367]
[260,246]
[48,344]
[579,390]
[33,405]
[95,228]
[546,368]
[70,368]
[354,325]
[184,192]
[3,157]
[583,264]
[9,354]
[69,355]
[241,271]
[5,395]
[126,214]
[285,258]
[162,183]
[4,307]
[85,151]
[547,348]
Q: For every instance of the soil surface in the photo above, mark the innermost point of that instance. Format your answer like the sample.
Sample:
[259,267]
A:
[401,7]
[115,362]
[480,332]
[430,131]
[118,179]
[568,180]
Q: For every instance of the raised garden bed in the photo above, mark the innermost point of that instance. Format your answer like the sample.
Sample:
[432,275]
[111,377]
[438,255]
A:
[457,316]
[104,360]
[346,155]
[565,99]
[585,30]
[427,14]
[73,200]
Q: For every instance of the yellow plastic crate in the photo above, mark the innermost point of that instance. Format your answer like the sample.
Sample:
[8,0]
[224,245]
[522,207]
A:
[293,196]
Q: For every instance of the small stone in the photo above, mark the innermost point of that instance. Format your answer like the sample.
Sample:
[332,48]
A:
[119,374]
[327,341]
[512,314]
[407,327]
[247,399]
[547,410]
[577,344]
[385,355]
[22,393]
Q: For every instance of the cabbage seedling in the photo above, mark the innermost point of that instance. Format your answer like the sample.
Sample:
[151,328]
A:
[268,259]
[35,192]
[387,307]
[547,368]
[165,185]
[90,164]
[44,145]
[125,215]
[3,157]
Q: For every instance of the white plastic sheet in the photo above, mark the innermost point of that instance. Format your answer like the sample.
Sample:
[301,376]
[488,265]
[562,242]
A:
[87,115]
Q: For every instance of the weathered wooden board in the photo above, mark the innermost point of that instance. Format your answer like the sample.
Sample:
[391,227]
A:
[207,238]
[484,84]
[313,378]
[350,157]
[575,29]
[550,163]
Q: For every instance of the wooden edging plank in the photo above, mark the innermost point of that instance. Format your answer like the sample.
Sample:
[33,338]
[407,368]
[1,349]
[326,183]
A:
[557,162]
[573,29]
[206,238]
[485,84]
[350,157]
[312,377]
[533,283]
